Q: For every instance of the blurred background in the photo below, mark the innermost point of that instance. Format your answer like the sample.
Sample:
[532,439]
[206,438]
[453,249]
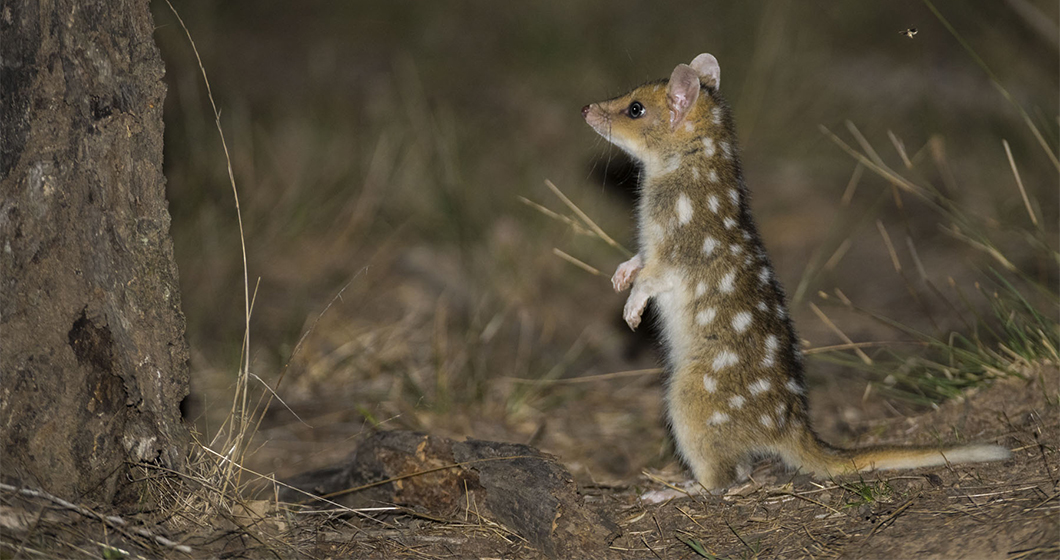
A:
[382,152]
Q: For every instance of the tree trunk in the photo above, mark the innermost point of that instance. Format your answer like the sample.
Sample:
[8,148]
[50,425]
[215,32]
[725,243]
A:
[93,363]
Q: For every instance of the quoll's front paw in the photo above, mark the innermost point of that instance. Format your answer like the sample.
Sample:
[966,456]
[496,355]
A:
[626,273]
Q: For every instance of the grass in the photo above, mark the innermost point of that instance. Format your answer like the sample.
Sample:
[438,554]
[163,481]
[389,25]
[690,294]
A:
[1003,328]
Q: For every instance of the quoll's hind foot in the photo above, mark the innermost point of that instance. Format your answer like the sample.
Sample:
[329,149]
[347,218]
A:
[626,273]
[689,488]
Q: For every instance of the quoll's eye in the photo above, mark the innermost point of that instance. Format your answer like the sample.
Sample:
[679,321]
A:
[636,110]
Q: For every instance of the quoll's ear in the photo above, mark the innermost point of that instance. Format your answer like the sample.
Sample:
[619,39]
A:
[708,69]
[681,93]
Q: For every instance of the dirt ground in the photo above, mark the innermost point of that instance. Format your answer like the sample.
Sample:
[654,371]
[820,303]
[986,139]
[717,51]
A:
[1002,510]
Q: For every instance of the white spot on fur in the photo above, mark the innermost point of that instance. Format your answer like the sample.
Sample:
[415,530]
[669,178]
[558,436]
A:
[695,173]
[746,235]
[716,115]
[718,418]
[712,203]
[684,209]
[708,146]
[729,223]
[725,359]
[734,196]
[771,351]
[735,249]
[741,321]
[780,311]
[759,387]
[764,274]
[762,306]
[726,149]
[709,383]
[689,127]
[793,386]
[747,260]
[709,245]
[736,401]
[766,420]
[701,288]
[706,316]
[712,176]
[782,414]
[728,283]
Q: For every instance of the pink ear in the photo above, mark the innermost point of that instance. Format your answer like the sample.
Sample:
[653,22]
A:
[681,93]
[708,69]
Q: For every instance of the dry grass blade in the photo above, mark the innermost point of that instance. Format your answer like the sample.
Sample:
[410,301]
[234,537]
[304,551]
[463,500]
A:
[1019,183]
[997,83]
[592,378]
[242,383]
[899,147]
[852,346]
[880,169]
[577,262]
[890,247]
[585,218]
[992,251]
[577,227]
[828,322]
[852,185]
[916,259]
[838,255]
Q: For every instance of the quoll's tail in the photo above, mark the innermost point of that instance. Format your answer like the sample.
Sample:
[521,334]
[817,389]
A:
[813,455]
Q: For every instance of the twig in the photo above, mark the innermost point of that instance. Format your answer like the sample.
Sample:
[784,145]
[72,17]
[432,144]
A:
[112,520]
[890,518]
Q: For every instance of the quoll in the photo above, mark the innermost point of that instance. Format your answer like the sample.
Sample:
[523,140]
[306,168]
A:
[736,388]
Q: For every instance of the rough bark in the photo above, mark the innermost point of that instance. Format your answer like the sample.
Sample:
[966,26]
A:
[93,363]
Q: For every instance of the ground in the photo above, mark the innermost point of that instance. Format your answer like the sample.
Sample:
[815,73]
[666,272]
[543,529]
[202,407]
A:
[999,510]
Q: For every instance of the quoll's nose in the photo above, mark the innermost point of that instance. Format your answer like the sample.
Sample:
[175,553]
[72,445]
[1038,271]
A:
[585,111]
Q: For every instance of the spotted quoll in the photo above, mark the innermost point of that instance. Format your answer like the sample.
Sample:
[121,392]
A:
[736,388]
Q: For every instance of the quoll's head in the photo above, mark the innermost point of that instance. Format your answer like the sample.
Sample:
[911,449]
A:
[660,118]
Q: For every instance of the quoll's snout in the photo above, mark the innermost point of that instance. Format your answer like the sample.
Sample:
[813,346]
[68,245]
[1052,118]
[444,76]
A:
[585,111]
